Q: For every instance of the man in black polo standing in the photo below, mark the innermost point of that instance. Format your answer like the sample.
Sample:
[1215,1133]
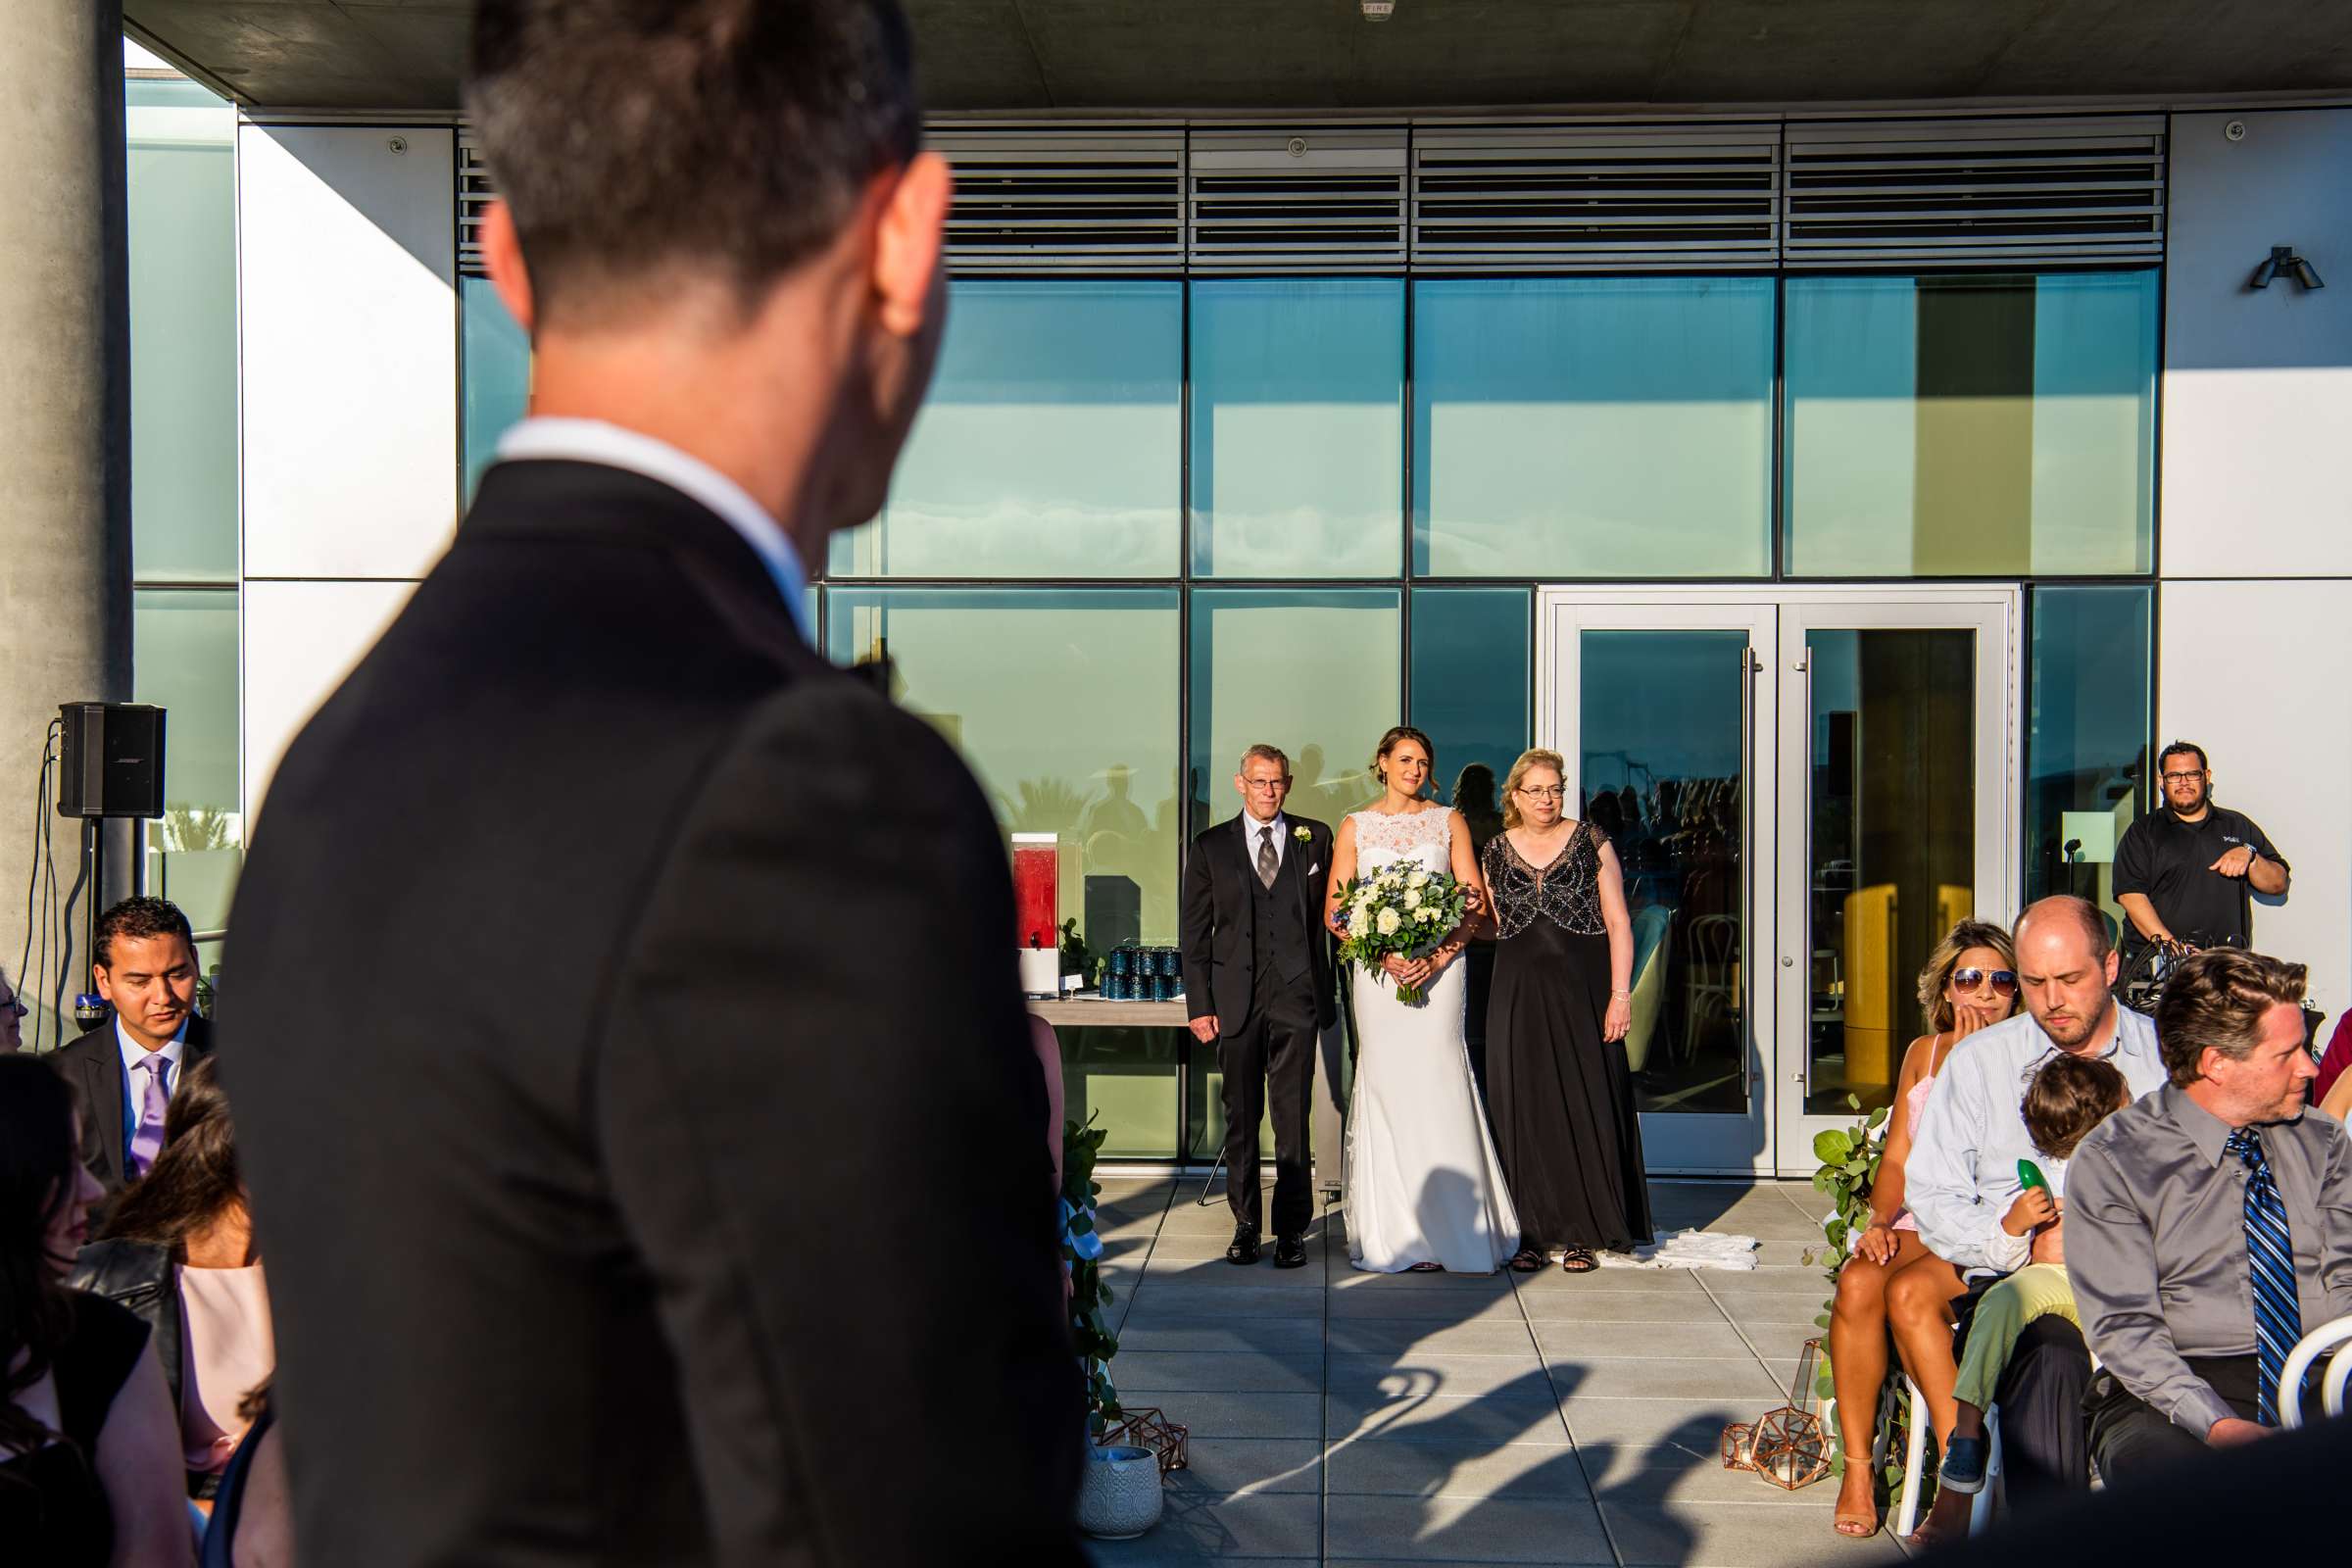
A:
[2186,872]
[1258,976]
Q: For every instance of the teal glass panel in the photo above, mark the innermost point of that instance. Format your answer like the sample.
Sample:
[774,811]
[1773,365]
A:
[1065,704]
[1592,427]
[181,165]
[185,658]
[1471,671]
[1297,428]
[1051,445]
[1313,672]
[1993,425]
[2086,738]
[497,373]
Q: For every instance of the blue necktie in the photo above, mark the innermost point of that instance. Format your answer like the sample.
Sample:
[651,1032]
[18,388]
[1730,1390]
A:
[2270,1259]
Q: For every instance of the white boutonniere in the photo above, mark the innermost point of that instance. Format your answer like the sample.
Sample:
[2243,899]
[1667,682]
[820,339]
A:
[1301,834]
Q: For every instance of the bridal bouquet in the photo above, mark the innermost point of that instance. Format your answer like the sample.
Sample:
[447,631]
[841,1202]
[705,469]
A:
[1402,908]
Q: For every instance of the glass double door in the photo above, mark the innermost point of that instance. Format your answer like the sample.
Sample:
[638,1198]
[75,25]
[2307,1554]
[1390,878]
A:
[1806,788]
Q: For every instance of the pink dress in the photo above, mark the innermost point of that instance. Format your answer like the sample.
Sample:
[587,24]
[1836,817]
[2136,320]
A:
[230,1351]
[1915,1103]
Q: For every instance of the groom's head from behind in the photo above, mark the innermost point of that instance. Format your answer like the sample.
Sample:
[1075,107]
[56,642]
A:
[719,227]
[1263,781]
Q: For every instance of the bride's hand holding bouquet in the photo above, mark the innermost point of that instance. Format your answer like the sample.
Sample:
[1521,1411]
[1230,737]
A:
[1403,913]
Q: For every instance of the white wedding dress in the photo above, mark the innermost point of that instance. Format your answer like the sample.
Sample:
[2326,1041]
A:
[1423,1183]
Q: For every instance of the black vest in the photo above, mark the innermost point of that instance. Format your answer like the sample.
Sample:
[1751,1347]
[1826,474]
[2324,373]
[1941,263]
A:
[1277,930]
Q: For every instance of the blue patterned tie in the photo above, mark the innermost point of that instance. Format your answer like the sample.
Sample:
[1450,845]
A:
[2270,1259]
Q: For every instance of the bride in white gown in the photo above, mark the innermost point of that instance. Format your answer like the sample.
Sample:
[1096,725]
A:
[1424,1187]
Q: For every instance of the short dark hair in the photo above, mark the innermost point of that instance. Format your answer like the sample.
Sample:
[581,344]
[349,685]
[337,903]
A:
[2184,749]
[2069,1095]
[636,140]
[139,918]
[2217,998]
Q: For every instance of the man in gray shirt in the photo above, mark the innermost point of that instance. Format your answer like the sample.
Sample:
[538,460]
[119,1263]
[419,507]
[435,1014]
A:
[1961,1183]
[2210,1223]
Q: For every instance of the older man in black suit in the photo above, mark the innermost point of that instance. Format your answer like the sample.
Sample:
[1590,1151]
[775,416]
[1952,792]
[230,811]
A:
[1257,975]
[655,1216]
[144,963]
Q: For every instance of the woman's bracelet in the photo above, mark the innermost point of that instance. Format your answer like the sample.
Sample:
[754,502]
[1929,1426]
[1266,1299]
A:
[1621,996]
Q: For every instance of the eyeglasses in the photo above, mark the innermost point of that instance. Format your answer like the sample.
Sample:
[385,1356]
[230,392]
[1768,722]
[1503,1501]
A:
[1266,786]
[1543,791]
[13,1006]
[2179,778]
[2003,981]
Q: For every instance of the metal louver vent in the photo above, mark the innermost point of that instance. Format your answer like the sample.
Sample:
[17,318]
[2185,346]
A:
[1027,200]
[1636,199]
[475,194]
[1270,200]
[2005,192]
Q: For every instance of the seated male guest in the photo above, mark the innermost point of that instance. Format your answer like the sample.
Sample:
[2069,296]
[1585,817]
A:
[2211,1222]
[1962,1184]
[126,1068]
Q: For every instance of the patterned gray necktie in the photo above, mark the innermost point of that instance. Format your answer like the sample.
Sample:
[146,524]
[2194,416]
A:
[1268,864]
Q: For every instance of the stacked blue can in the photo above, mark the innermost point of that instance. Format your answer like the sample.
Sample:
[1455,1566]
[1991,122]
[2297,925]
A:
[1142,974]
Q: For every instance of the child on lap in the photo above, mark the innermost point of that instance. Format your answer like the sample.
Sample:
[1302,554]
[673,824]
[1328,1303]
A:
[2067,1097]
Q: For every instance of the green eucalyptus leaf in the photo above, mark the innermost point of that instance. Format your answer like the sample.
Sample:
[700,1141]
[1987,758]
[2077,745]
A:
[1831,1146]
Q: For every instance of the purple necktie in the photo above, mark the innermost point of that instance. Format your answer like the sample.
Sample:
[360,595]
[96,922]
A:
[153,1102]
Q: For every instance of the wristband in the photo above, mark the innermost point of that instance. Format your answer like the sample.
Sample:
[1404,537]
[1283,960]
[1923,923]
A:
[1621,996]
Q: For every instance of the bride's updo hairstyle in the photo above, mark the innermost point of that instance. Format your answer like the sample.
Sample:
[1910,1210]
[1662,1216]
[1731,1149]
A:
[1389,742]
[1529,759]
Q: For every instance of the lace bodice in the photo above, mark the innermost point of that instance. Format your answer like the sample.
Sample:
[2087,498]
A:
[1567,892]
[1423,836]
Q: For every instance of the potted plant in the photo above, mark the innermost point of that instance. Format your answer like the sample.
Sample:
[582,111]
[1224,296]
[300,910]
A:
[1119,1494]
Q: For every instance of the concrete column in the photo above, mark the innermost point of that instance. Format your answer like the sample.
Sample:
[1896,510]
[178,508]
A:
[65,419]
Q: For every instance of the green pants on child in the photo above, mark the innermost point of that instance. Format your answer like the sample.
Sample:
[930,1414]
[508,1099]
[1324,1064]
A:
[2038,1290]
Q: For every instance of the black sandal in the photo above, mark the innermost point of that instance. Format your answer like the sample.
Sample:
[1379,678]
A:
[1578,1260]
[1526,1261]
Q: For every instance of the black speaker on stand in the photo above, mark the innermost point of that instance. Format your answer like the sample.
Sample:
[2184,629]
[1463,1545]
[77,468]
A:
[110,768]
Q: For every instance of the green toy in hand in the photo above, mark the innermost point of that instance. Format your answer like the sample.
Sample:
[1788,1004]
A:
[2030,1176]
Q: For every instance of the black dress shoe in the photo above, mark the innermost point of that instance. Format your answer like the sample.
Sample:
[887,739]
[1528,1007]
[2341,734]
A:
[1245,1246]
[1290,1252]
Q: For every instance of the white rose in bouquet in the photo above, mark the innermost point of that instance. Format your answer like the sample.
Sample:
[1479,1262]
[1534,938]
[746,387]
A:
[1389,922]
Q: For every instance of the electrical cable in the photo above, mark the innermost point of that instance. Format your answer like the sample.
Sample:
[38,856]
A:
[32,879]
[65,954]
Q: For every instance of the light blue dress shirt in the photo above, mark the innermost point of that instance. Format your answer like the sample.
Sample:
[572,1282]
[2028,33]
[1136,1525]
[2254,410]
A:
[1961,1176]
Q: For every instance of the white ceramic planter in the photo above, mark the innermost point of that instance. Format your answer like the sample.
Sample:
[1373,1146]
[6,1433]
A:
[1119,1496]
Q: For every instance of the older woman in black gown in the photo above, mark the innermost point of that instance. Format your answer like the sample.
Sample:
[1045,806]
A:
[1559,1091]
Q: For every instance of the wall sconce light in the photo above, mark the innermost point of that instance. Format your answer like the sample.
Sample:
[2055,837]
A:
[2284,259]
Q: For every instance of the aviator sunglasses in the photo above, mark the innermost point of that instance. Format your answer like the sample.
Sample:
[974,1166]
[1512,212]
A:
[2004,981]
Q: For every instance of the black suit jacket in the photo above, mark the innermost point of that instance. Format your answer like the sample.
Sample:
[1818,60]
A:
[590,1221]
[1218,917]
[93,1064]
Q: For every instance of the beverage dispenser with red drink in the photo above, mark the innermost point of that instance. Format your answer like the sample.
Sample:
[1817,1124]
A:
[1037,909]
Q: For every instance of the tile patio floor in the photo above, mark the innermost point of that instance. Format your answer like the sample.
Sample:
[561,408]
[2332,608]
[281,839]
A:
[1342,1418]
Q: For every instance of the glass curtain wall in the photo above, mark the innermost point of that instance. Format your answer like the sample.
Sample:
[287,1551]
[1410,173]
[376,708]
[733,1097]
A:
[181,182]
[1971,426]
[2087,741]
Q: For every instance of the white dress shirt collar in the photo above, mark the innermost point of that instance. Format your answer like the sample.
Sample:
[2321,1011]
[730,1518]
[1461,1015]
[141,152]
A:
[133,1052]
[600,442]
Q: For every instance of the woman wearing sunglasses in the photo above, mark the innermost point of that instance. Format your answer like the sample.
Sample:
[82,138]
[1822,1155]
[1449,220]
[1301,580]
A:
[1970,981]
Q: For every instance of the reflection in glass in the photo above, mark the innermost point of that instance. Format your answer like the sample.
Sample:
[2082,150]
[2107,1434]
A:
[1051,443]
[1892,856]
[184,655]
[1126,1080]
[1592,427]
[1204,1113]
[1471,670]
[1065,706]
[1312,672]
[1297,428]
[497,375]
[1971,426]
[2086,740]
[1662,769]
[183,331]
